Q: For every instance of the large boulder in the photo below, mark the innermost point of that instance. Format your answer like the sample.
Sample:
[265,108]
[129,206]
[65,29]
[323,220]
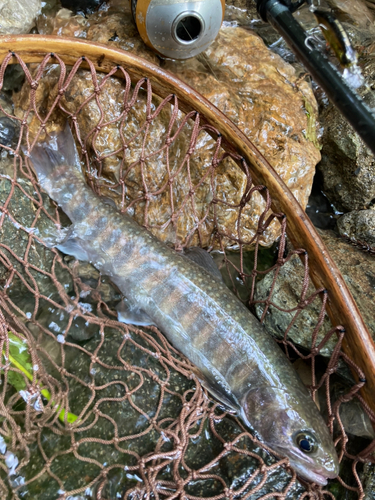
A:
[17,16]
[254,87]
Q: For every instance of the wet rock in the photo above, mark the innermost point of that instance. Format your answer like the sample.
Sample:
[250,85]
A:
[9,127]
[241,4]
[355,420]
[370,5]
[353,417]
[358,226]
[241,12]
[287,295]
[17,16]
[358,270]
[355,12]
[253,86]
[22,211]
[13,78]
[128,366]
[368,481]
[348,166]
[9,132]
[113,27]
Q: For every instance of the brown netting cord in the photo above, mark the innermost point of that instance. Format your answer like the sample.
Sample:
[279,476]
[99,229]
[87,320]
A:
[155,451]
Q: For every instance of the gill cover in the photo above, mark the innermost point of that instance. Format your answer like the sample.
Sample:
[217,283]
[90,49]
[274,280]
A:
[178,29]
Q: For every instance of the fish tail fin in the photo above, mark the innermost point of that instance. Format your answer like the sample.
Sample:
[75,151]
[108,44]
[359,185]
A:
[60,149]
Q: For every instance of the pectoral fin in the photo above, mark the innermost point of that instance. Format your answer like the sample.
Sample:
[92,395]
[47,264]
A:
[131,314]
[218,392]
[74,246]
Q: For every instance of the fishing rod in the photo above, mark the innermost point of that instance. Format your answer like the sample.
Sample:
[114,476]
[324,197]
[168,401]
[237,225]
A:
[279,13]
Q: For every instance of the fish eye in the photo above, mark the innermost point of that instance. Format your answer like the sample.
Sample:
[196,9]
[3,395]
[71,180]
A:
[306,442]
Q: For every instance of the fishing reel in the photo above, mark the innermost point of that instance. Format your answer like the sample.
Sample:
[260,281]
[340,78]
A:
[178,29]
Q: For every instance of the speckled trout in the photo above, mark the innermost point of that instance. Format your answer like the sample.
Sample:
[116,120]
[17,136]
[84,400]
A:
[234,356]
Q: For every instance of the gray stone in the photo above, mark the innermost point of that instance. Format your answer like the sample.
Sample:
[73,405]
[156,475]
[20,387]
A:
[358,270]
[287,295]
[17,16]
[368,481]
[358,226]
[347,165]
[14,234]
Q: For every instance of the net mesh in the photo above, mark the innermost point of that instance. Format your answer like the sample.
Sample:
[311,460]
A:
[93,408]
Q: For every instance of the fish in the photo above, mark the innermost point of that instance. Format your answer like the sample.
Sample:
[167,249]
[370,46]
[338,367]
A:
[234,357]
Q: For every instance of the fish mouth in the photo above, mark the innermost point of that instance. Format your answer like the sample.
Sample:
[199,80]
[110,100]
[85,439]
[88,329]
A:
[317,477]
[313,477]
[309,469]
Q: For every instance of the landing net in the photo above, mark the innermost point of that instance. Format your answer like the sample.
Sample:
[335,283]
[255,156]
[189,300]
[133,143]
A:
[90,407]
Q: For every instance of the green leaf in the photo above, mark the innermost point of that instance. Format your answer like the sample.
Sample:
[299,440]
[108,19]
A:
[20,358]
[19,351]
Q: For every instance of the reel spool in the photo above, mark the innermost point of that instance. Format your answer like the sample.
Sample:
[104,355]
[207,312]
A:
[176,29]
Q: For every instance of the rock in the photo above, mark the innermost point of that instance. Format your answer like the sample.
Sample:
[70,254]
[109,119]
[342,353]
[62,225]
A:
[9,132]
[113,27]
[23,212]
[287,295]
[355,12]
[127,404]
[240,4]
[17,16]
[359,226]
[13,78]
[368,481]
[358,270]
[243,12]
[370,5]
[347,166]
[254,87]
[9,127]
[355,420]
[62,23]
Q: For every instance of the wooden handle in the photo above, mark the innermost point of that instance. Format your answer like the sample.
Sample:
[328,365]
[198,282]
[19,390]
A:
[341,308]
